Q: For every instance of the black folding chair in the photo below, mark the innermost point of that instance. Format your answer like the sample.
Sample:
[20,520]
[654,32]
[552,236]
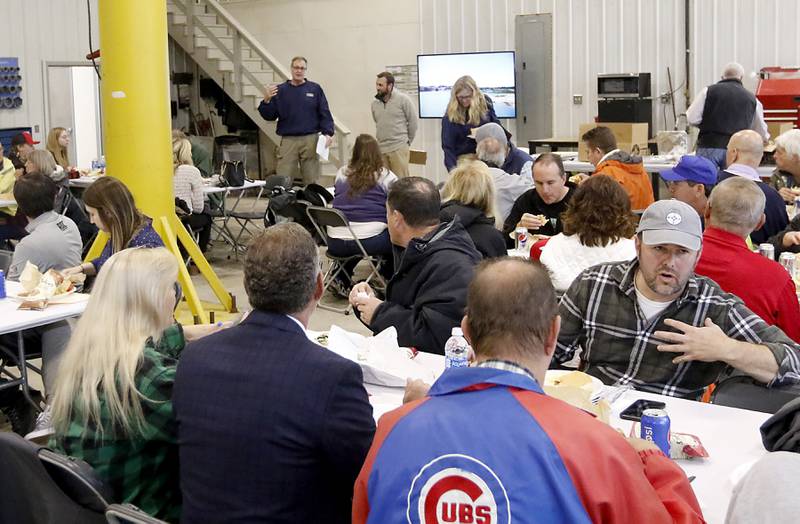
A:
[324,217]
[744,392]
[129,514]
[252,217]
[29,491]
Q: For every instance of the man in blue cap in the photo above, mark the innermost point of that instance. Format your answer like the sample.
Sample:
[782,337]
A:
[691,181]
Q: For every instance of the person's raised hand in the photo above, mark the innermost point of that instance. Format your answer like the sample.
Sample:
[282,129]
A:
[707,343]
[270,91]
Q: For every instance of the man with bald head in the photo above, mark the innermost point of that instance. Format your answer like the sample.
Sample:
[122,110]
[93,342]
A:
[743,156]
[491,432]
[723,109]
[736,208]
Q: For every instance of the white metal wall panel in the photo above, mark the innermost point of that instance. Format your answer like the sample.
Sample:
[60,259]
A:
[37,32]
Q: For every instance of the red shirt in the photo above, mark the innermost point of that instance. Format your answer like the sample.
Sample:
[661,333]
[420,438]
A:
[762,284]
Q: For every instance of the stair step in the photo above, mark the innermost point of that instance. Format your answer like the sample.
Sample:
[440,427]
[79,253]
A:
[178,18]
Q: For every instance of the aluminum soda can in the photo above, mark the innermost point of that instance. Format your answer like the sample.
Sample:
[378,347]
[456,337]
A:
[521,235]
[767,250]
[655,428]
[796,205]
[2,284]
[787,261]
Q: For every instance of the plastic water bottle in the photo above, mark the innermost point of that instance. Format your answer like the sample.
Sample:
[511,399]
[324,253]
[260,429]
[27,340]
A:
[456,350]
[2,284]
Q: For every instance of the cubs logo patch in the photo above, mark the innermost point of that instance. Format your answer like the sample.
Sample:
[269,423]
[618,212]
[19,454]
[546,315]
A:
[457,489]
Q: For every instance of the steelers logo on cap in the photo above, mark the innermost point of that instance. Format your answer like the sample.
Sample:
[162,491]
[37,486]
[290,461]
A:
[674,218]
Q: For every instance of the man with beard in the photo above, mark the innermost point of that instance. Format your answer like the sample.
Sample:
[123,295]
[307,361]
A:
[654,324]
[395,123]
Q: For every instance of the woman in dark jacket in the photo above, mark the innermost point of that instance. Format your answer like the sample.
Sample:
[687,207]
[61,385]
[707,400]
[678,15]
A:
[469,194]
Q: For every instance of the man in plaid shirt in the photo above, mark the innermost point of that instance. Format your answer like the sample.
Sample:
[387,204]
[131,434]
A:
[652,323]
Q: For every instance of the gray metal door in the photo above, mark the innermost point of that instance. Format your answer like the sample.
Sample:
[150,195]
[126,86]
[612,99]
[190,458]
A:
[534,63]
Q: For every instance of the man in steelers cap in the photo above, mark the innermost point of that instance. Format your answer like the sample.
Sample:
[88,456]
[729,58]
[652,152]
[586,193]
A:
[654,324]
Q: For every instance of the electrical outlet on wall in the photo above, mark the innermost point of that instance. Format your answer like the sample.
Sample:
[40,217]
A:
[577,99]
[665,98]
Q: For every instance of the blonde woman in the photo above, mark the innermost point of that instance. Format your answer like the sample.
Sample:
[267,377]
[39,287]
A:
[188,185]
[112,401]
[468,108]
[58,143]
[41,161]
[469,195]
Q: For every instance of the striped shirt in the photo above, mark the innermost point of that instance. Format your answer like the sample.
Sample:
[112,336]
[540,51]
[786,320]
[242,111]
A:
[600,315]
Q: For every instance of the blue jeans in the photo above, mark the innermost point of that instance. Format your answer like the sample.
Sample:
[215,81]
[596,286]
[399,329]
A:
[717,156]
[379,245]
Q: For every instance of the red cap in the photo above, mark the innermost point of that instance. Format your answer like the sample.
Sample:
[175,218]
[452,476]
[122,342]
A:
[29,139]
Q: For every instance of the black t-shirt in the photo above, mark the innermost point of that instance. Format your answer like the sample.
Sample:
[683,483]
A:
[531,202]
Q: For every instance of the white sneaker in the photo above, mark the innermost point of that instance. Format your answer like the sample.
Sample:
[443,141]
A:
[44,425]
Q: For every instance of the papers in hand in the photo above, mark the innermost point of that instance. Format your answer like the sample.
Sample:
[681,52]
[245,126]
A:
[322,147]
[382,361]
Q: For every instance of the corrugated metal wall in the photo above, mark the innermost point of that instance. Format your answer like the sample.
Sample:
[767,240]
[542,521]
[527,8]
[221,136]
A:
[612,36]
[42,31]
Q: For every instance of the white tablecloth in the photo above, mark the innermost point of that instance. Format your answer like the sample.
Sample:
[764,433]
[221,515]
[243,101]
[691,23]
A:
[731,437]
[13,320]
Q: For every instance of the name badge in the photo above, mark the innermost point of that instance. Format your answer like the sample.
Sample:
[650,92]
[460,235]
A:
[310,95]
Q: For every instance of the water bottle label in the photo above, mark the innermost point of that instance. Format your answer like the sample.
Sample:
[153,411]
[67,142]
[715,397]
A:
[456,362]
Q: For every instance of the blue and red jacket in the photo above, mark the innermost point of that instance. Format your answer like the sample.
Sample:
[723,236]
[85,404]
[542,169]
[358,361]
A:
[488,446]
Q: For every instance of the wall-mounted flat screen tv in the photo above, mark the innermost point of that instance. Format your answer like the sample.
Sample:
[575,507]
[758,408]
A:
[492,71]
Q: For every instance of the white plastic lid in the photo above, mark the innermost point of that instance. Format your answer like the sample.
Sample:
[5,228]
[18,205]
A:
[456,332]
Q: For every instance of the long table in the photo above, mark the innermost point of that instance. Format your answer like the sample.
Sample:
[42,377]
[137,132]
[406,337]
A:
[731,437]
[13,320]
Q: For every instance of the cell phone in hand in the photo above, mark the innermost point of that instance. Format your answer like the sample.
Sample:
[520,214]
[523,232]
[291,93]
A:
[635,410]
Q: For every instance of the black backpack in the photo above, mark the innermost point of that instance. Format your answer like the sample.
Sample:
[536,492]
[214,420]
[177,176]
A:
[232,174]
[289,205]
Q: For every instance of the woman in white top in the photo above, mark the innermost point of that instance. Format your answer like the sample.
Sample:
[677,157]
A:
[361,188]
[598,228]
[188,185]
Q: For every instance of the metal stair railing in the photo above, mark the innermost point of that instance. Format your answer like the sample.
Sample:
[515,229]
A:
[240,72]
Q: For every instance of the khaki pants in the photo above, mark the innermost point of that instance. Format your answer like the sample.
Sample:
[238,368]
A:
[397,161]
[297,155]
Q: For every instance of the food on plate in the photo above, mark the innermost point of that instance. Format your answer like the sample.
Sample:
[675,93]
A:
[47,285]
[578,178]
[575,379]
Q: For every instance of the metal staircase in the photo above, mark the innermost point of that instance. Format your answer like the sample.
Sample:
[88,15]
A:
[236,61]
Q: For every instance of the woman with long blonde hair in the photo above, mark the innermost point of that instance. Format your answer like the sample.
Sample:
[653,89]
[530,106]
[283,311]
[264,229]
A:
[469,195]
[57,143]
[468,108]
[187,183]
[112,400]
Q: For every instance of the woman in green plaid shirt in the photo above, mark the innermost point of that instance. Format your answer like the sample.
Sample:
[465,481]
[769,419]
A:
[112,405]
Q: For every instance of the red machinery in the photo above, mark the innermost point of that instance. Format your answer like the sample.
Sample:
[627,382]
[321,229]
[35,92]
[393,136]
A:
[779,92]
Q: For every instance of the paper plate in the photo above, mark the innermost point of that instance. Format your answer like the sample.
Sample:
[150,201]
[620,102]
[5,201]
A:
[55,299]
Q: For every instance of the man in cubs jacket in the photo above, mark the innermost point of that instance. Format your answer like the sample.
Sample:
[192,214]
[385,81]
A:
[488,446]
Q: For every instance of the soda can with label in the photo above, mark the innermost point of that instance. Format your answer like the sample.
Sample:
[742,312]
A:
[787,261]
[767,250]
[655,428]
[522,238]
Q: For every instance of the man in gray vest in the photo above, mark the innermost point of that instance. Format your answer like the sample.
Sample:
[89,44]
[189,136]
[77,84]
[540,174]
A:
[395,123]
[722,109]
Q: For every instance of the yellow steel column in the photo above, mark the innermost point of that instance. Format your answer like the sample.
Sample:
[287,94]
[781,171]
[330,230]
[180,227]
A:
[136,123]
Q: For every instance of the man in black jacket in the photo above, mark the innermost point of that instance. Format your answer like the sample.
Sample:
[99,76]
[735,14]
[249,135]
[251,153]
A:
[426,297]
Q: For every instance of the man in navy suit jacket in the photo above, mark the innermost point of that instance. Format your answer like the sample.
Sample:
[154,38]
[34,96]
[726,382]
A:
[272,427]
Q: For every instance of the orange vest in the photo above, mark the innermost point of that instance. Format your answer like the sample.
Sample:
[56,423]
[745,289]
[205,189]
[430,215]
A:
[633,178]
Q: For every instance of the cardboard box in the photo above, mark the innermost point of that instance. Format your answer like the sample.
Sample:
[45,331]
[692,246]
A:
[631,137]
[417,157]
[778,128]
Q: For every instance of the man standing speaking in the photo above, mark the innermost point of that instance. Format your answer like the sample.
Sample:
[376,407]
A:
[302,112]
[395,123]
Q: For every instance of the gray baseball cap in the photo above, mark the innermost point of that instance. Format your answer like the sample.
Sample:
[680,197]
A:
[491,130]
[671,222]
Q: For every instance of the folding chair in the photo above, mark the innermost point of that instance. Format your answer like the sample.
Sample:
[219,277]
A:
[245,218]
[29,492]
[324,217]
[129,514]
[744,392]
